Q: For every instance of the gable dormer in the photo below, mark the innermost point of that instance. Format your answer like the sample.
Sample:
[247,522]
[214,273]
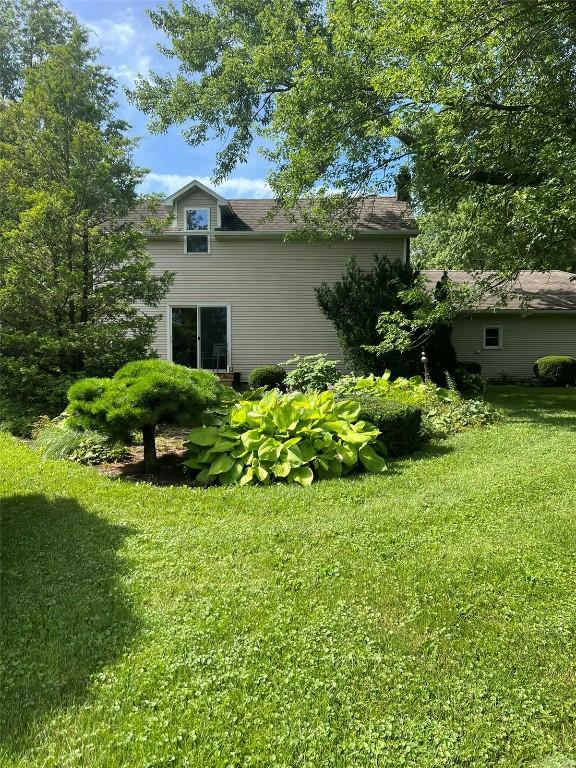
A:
[197,213]
[196,197]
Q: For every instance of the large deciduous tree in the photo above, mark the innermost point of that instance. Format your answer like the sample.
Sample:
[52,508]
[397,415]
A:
[27,28]
[477,97]
[71,270]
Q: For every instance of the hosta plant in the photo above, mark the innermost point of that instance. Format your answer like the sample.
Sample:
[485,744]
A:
[296,437]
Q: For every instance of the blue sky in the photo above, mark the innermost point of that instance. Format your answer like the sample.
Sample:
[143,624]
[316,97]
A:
[127,40]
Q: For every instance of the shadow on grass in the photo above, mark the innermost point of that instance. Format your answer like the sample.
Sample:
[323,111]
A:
[548,406]
[63,612]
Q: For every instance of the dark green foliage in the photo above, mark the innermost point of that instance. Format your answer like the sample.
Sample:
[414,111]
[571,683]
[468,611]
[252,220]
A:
[469,366]
[439,348]
[403,184]
[399,423]
[470,384]
[142,395]
[556,370]
[269,376]
[354,304]
[71,270]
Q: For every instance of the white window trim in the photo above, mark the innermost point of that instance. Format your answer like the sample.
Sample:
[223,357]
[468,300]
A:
[500,337]
[199,305]
[204,232]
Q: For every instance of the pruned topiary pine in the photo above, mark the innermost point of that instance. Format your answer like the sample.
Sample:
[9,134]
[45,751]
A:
[140,396]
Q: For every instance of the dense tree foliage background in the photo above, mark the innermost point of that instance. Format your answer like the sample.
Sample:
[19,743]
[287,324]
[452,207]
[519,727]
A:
[478,98]
[71,269]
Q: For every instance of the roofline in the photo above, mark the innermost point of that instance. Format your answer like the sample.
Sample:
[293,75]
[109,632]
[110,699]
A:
[194,184]
[281,233]
[516,311]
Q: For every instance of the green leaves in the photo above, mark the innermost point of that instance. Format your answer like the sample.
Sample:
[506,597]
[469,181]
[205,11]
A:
[295,438]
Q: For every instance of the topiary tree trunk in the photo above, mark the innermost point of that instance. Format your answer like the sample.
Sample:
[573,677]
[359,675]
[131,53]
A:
[149,442]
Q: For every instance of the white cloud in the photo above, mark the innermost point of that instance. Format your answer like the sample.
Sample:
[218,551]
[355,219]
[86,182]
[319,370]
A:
[236,186]
[114,35]
[129,74]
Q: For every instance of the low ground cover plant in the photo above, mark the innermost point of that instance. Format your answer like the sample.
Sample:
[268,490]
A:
[556,370]
[296,437]
[140,396]
[56,439]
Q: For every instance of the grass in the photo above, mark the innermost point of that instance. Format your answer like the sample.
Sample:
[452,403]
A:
[423,618]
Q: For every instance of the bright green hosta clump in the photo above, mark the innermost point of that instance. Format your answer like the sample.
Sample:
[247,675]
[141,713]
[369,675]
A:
[414,390]
[296,437]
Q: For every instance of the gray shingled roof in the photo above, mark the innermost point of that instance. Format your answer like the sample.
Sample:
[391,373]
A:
[375,214]
[543,291]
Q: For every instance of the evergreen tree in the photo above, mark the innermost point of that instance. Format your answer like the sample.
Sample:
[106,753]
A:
[71,270]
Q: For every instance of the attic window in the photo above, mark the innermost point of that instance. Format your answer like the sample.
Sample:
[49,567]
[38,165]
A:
[197,220]
[492,337]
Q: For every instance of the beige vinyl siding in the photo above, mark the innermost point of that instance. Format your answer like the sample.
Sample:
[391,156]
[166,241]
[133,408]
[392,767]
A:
[524,340]
[269,285]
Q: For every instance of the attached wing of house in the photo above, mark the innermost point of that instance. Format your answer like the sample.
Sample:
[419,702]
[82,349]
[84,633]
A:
[538,318]
[244,294]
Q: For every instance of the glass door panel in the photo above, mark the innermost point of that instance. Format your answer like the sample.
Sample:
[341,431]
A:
[185,336]
[214,338]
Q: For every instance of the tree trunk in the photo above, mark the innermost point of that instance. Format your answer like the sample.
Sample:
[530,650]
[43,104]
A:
[149,442]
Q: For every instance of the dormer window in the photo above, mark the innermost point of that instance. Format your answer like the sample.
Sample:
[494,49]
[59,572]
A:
[197,220]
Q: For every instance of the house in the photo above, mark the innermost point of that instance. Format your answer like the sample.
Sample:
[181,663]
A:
[539,318]
[243,294]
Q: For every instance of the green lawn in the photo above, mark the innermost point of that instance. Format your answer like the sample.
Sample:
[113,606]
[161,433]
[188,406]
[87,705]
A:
[422,618]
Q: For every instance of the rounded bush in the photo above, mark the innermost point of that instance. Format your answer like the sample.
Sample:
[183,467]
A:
[556,370]
[470,366]
[269,376]
[400,424]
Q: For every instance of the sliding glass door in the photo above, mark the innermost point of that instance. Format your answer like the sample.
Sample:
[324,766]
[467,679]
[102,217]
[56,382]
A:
[200,337]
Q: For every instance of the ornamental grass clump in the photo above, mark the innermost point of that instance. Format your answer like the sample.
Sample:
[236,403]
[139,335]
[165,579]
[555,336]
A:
[140,396]
[296,437]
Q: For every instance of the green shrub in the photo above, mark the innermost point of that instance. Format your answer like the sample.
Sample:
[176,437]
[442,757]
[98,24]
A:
[556,370]
[17,418]
[142,395]
[470,366]
[56,439]
[296,437]
[313,373]
[400,424]
[469,383]
[444,411]
[269,376]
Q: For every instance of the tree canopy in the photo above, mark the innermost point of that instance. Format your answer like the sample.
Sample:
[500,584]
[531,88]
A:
[477,98]
[27,28]
[71,269]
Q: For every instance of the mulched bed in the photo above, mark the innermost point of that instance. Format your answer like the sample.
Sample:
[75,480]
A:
[171,453]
